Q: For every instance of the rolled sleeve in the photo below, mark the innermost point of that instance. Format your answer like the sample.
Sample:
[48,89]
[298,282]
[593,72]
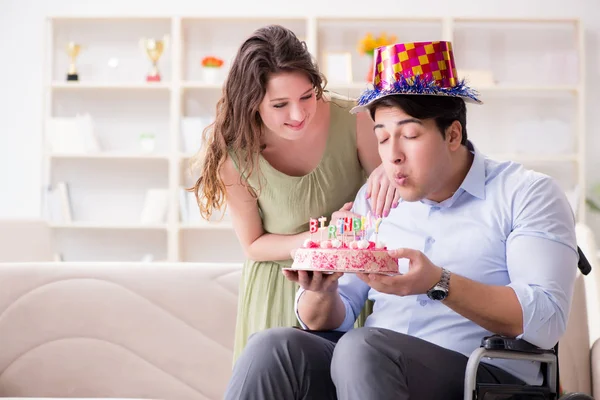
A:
[542,257]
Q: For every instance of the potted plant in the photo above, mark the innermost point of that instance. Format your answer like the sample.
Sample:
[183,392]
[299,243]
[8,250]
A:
[211,67]
[147,142]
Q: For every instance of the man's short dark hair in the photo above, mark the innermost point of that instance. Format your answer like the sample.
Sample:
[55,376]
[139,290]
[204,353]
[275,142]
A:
[443,109]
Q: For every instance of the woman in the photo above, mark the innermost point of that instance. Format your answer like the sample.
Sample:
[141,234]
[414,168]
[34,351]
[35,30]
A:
[281,151]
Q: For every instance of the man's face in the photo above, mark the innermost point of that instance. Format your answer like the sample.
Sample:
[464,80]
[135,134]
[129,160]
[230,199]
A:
[416,157]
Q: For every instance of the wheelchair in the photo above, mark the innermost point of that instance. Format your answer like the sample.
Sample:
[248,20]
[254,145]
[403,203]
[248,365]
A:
[515,349]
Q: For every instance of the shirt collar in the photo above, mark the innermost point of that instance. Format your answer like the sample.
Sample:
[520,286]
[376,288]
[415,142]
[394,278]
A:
[474,182]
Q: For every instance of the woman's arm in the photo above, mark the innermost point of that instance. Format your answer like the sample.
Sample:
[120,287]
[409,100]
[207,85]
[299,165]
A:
[243,208]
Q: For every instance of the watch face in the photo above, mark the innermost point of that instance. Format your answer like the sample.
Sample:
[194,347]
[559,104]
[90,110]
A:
[438,294]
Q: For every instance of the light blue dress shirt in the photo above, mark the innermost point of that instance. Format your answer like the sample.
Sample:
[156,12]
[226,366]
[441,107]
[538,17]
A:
[505,225]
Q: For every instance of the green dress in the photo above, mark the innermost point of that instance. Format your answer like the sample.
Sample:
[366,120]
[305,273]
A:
[286,203]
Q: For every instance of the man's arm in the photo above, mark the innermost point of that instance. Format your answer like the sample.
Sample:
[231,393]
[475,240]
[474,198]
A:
[535,305]
[541,255]
[320,310]
[333,310]
[541,258]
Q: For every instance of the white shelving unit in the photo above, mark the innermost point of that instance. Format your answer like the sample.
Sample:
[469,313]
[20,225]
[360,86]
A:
[533,113]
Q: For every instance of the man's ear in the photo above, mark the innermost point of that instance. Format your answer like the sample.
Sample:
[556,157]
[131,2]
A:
[454,135]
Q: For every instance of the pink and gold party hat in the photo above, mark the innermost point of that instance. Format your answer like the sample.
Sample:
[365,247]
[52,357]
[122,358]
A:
[417,68]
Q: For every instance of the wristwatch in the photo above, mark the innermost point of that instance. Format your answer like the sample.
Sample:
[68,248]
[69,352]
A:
[439,291]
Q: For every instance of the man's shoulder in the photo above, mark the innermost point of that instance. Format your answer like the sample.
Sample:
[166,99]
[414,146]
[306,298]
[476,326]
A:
[525,190]
[512,177]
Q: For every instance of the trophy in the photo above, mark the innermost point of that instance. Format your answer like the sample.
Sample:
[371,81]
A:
[154,49]
[73,50]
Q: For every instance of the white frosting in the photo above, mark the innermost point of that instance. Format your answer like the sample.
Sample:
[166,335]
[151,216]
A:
[325,244]
[307,242]
[380,245]
[363,244]
[336,243]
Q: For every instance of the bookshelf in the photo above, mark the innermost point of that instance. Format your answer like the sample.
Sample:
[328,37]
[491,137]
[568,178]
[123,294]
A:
[144,133]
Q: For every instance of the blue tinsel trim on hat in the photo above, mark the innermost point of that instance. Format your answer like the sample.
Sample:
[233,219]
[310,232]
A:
[418,85]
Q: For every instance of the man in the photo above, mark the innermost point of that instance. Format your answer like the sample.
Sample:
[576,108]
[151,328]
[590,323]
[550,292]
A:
[484,248]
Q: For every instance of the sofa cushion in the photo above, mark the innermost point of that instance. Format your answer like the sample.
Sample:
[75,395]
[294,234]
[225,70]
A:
[157,331]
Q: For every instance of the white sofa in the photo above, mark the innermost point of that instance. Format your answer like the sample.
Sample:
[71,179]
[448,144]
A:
[162,331]
[155,331]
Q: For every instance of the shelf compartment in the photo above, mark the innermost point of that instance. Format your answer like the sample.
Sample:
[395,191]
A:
[109,194]
[344,34]
[221,37]
[518,52]
[111,49]
[544,126]
[119,118]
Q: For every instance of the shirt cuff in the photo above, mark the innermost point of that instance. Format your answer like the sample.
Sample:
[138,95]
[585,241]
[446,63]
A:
[538,309]
[298,294]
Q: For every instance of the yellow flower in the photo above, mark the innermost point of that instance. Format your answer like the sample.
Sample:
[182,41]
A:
[368,43]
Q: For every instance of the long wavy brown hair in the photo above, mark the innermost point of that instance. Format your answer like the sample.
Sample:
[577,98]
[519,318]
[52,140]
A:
[238,126]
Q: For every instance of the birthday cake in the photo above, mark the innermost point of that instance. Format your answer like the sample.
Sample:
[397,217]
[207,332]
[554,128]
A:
[345,249]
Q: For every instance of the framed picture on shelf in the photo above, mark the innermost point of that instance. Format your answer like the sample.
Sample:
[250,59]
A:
[338,67]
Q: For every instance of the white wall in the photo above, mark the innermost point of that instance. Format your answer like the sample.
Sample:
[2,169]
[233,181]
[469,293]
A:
[21,64]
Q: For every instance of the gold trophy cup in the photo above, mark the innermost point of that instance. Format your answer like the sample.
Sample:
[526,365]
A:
[154,48]
[72,51]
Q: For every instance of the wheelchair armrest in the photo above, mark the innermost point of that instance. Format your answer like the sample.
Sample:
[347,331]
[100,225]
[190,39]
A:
[497,342]
[511,349]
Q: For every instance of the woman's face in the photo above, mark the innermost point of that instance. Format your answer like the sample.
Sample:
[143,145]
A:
[289,104]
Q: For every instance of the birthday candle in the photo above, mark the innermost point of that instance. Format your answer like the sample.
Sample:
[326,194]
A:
[313,226]
[356,226]
[369,220]
[331,232]
[322,227]
[340,224]
[322,221]
[348,224]
[377,223]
